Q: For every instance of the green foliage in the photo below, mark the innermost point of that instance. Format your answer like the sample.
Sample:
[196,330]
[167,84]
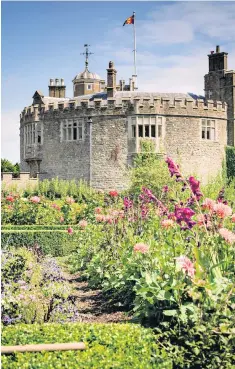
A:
[7,166]
[33,289]
[230,162]
[150,170]
[108,346]
[56,242]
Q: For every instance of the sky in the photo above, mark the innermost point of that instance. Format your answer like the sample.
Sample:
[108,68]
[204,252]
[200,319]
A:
[43,40]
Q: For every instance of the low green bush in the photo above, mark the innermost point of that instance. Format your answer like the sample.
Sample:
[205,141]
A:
[230,162]
[56,242]
[121,346]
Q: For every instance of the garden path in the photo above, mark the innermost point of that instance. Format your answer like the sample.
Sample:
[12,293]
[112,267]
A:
[92,305]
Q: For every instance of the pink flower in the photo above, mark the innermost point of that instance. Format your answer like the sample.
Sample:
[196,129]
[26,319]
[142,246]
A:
[99,217]
[35,199]
[10,207]
[127,203]
[233,218]
[167,223]
[194,184]
[10,198]
[208,204]
[70,230]
[109,219]
[227,235]
[61,219]
[200,219]
[113,193]
[70,200]
[83,223]
[141,247]
[185,265]
[55,206]
[222,210]
[98,210]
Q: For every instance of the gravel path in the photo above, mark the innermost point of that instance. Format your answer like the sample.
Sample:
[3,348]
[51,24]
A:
[91,303]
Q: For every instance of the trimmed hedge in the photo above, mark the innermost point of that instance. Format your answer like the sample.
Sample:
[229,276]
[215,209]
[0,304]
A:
[230,161]
[56,242]
[121,346]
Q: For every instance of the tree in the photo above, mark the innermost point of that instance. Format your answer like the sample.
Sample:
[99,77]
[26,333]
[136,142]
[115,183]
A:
[7,166]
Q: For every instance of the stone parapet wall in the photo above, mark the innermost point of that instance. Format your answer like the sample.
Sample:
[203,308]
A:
[112,106]
[22,182]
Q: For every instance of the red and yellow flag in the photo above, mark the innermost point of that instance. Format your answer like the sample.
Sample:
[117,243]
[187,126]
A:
[130,20]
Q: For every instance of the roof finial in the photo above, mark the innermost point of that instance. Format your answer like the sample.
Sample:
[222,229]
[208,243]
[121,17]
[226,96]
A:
[87,53]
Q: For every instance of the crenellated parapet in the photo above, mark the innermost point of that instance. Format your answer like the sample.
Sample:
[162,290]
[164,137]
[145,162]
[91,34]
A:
[125,106]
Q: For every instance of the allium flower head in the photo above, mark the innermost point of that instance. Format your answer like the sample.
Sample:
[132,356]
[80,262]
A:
[141,247]
[227,235]
[35,199]
[70,230]
[222,210]
[185,265]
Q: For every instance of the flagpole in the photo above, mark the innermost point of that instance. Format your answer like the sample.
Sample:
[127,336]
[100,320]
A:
[135,52]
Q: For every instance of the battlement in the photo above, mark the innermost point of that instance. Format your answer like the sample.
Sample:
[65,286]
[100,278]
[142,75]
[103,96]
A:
[21,182]
[123,105]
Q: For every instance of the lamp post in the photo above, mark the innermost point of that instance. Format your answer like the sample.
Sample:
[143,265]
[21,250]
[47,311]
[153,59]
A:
[90,142]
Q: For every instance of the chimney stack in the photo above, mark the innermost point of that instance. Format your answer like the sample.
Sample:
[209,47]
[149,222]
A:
[57,88]
[111,80]
[217,49]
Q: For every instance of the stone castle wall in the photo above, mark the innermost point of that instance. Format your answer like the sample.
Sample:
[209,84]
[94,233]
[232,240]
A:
[109,149]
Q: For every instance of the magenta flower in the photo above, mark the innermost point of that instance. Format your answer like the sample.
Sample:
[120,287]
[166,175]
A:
[10,198]
[185,265]
[127,203]
[183,215]
[70,230]
[194,184]
[173,168]
[165,189]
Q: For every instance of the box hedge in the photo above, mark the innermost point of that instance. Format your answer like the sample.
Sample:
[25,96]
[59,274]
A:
[230,161]
[56,242]
[121,346]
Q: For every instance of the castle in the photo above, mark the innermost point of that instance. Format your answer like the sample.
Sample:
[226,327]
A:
[95,135]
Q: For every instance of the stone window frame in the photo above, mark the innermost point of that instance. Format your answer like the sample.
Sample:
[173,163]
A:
[208,129]
[72,130]
[89,86]
[137,121]
[32,132]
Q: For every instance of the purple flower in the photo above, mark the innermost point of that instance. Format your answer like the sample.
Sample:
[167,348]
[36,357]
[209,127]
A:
[173,168]
[194,184]
[183,215]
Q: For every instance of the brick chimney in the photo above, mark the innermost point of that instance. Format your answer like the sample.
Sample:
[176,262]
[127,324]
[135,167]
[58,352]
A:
[111,80]
[57,88]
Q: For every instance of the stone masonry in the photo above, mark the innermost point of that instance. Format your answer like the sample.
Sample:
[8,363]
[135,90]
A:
[95,137]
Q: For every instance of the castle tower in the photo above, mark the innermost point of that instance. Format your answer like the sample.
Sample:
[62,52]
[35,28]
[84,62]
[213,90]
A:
[57,88]
[220,85]
[111,80]
[87,83]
